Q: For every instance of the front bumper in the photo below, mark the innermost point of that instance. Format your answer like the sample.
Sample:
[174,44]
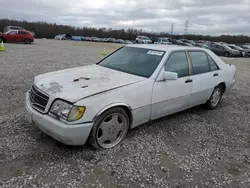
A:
[235,54]
[67,134]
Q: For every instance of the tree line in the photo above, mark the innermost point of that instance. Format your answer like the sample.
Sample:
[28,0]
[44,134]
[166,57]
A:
[49,30]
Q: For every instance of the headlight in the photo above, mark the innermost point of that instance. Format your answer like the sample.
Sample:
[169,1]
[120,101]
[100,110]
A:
[66,111]
[76,113]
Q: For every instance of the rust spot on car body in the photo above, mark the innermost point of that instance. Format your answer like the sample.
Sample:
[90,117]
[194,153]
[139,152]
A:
[53,87]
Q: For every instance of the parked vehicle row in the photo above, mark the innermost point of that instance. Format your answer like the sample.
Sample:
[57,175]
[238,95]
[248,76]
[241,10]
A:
[92,39]
[219,48]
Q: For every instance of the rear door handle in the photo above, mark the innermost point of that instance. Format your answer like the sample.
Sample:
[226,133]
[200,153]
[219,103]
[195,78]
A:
[216,74]
[188,80]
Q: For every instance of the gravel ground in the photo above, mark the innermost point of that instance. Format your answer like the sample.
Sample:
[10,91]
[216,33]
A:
[194,148]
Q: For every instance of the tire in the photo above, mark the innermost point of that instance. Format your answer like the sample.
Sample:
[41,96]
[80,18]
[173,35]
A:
[97,138]
[27,41]
[213,102]
[226,54]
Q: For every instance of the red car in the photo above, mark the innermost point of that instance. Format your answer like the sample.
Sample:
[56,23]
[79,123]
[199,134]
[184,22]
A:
[17,36]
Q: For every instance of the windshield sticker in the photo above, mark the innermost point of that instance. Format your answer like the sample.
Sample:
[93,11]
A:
[152,52]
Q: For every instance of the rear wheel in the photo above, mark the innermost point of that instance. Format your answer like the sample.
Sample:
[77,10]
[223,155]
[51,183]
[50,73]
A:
[27,41]
[109,129]
[215,97]
[226,54]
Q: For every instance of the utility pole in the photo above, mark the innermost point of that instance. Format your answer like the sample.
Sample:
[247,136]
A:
[172,29]
[186,27]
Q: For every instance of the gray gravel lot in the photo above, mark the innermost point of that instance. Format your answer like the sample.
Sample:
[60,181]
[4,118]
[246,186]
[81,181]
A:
[194,148]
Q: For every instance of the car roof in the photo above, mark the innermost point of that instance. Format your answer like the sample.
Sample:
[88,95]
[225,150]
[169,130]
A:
[18,30]
[14,26]
[163,47]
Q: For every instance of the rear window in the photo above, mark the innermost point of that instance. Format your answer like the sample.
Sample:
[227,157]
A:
[199,62]
[22,32]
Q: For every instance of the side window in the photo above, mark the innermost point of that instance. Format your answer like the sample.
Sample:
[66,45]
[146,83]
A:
[199,62]
[212,64]
[12,32]
[21,33]
[178,63]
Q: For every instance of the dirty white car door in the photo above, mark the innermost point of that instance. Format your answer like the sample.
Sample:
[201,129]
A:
[204,78]
[172,95]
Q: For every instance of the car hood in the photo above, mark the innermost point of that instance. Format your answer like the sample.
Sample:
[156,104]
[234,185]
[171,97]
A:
[80,82]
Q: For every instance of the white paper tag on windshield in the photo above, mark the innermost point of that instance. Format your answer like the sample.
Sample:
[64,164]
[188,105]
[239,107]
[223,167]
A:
[152,52]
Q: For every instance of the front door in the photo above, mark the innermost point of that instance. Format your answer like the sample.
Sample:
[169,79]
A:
[12,36]
[172,95]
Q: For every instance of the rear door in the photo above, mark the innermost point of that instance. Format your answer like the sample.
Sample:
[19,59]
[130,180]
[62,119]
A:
[12,36]
[205,76]
[215,49]
[21,35]
[221,50]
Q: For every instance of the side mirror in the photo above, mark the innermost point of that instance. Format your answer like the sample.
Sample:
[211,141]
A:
[170,75]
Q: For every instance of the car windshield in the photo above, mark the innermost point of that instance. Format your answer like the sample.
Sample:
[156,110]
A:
[145,38]
[227,47]
[244,47]
[192,42]
[236,47]
[179,41]
[137,61]
[205,46]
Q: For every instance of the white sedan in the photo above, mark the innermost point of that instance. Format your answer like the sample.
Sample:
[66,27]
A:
[135,84]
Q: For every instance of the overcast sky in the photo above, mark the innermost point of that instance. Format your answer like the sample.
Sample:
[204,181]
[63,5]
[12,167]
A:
[213,17]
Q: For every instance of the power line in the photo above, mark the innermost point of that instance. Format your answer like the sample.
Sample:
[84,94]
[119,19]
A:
[186,27]
[172,29]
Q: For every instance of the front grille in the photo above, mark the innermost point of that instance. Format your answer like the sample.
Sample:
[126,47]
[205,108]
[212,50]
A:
[38,99]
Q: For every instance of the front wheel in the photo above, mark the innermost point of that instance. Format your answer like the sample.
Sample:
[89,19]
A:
[226,54]
[27,41]
[215,97]
[109,129]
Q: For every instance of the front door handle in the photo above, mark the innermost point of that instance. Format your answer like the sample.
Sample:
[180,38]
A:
[216,74]
[188,80]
